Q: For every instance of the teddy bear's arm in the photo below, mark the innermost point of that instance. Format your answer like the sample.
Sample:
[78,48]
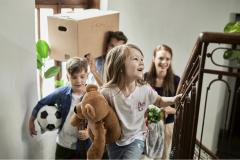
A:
[98,145]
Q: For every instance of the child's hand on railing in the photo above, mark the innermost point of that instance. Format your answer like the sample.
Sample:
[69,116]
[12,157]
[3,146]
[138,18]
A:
[177,98]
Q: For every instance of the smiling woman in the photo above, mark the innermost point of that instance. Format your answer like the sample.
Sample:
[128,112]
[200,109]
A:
[165,82]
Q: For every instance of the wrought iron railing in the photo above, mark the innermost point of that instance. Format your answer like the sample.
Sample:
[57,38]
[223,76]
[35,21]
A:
[206,59]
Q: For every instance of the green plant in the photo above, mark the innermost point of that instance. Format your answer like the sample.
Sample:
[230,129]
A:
[42,53]
[232,27]
[154,114]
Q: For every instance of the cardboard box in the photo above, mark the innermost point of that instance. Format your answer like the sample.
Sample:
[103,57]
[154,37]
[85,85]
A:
[76,34]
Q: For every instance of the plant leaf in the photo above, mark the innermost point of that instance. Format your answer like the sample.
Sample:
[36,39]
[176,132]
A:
[231,54]
[39,62]
[236,27]
[235,54]
[232,27]
[228,27]
[59,83]
[51,72]
[42,48]
[227,54]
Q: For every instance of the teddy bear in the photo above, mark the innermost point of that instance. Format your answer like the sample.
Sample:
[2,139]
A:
[103,123]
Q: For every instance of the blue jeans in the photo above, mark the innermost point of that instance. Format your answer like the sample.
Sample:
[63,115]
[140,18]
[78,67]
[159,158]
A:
[132,151]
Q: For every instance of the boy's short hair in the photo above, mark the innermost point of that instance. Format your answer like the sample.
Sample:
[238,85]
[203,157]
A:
[119,35]
[76,65]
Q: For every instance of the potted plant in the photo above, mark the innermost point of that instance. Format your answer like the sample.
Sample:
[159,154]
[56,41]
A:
[42,53]
[232,27]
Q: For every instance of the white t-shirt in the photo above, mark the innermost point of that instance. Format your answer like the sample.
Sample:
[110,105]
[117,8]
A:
[131,110]
[67,137]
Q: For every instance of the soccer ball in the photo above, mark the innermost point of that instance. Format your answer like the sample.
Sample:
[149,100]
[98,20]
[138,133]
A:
[49,118]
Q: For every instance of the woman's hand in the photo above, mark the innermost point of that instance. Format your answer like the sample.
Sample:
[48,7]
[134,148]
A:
[169,110]
[93,69]
[91,63]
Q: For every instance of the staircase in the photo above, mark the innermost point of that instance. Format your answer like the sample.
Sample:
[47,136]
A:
[205,69]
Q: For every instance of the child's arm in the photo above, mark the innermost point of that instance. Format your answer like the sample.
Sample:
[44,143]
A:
[83,134]
[48,100]
[167,101]
[31,126]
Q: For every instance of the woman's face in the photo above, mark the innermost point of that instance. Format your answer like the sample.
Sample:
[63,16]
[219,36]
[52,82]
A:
[162,60]
[113,43]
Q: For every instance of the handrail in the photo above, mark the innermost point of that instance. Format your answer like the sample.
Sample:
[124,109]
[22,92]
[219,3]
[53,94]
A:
[195,53]
[191,82]
[207,37]
[216,37]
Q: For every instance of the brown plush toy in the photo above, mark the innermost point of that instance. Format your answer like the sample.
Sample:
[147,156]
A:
[103,124]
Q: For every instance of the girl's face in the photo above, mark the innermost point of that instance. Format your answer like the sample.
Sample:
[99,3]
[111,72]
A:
[134,65]
[162,60]
[78,81]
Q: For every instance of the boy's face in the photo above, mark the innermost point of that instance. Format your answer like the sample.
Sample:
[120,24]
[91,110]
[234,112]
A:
[78,81]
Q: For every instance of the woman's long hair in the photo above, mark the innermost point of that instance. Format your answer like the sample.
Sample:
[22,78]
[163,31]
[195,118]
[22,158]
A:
[151,76]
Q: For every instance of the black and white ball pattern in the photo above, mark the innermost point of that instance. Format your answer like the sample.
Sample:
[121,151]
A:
[49,118]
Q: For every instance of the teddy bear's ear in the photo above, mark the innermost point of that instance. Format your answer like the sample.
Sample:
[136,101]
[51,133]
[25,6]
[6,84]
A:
[89,112]
[91,87]
[78,111]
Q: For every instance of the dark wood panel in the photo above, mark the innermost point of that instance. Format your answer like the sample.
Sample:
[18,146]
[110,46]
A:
[47,2]
[70,3]
[60,2]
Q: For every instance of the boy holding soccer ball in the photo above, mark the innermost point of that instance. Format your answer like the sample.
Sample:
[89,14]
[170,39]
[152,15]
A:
[71,142]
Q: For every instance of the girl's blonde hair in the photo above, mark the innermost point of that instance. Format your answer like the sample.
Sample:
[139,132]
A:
[115,71]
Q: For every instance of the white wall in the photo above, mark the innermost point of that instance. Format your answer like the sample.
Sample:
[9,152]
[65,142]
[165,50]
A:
[178,23]
[18,83]
[146,23]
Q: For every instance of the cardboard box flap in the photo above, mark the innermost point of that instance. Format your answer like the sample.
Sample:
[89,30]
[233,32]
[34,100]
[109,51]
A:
[76,34]
[84,14]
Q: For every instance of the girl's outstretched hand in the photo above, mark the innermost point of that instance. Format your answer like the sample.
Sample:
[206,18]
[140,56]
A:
[177,98]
